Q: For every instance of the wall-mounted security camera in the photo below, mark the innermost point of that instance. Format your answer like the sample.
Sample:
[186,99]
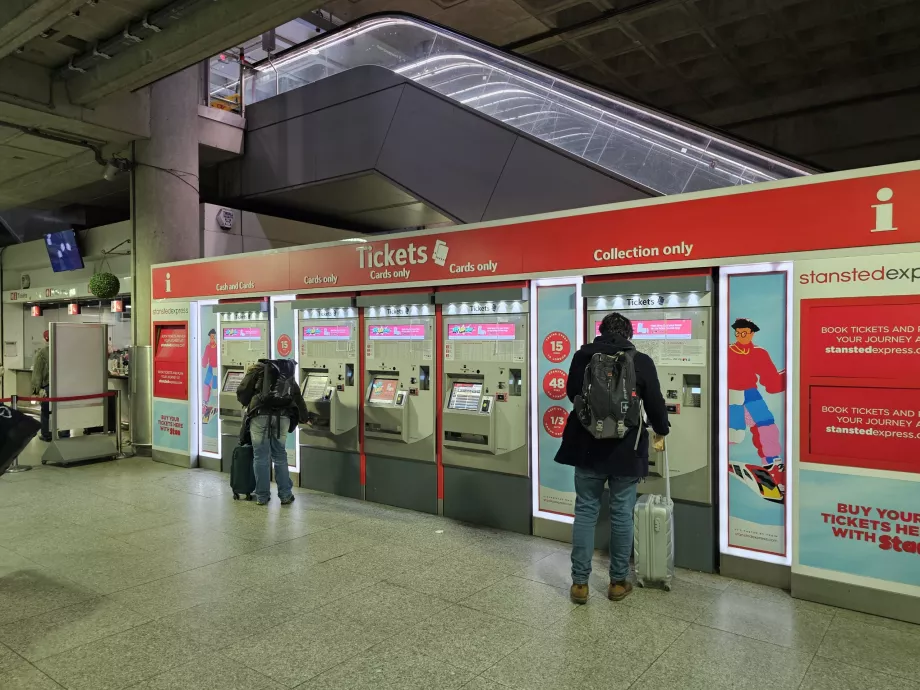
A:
[115,167]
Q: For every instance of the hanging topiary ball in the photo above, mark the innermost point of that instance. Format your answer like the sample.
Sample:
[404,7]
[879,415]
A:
[104,285]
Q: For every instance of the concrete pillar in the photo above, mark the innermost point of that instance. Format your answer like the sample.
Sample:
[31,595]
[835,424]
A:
[165,189]
[165,217]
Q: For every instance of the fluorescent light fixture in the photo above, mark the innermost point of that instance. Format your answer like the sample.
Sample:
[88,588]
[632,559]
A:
[724,547]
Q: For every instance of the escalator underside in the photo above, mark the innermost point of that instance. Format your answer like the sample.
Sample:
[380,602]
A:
[395,123]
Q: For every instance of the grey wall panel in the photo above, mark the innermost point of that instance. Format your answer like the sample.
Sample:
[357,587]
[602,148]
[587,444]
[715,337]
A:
[327,92]
[279,156]
[352,133]
[341,140]
[446,155]
[539,180]
[496,500]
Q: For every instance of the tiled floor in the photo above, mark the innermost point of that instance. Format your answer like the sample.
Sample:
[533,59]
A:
[135,574]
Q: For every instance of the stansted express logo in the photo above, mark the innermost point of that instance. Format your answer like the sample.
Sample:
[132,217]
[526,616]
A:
[857,275]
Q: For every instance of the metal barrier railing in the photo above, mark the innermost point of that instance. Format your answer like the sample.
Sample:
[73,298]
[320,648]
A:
[14,401]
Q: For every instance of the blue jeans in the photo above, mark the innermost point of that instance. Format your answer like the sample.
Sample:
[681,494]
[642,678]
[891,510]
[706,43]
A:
[589,487]
[268,446]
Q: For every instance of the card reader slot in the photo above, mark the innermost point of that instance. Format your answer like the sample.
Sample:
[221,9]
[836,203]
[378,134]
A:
[459,437]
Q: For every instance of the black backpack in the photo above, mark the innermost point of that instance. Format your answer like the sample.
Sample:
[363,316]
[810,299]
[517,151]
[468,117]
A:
[279,389]
[609,404]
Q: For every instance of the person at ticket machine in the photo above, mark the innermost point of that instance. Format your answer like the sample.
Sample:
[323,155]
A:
[274,408]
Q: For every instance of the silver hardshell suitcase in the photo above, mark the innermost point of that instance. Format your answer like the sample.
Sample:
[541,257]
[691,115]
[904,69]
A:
[653,537]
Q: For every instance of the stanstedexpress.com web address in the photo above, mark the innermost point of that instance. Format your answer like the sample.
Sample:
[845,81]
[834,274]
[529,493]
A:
[872,350]
[870,431]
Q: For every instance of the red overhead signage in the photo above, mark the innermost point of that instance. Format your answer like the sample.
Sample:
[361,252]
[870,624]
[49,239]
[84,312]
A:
[806,216]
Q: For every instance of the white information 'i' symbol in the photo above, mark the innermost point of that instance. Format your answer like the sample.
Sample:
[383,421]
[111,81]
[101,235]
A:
[168,284]
[884,212]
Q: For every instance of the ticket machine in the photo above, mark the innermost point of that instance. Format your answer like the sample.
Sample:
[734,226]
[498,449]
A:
[672,323]
[484,407]
[400,400]
[327,354]
[243,334]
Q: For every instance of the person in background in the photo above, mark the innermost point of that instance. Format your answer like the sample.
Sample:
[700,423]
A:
[271,417]
[621,463]
[40,382]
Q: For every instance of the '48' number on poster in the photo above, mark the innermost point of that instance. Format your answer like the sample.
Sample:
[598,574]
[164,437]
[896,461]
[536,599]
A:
[554,384]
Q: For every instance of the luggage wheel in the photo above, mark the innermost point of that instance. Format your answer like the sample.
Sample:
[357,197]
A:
[667,586]
[236,497]
[44,462]
[248,497]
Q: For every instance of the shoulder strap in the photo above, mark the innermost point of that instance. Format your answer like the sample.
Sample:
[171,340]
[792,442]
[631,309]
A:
[266,377]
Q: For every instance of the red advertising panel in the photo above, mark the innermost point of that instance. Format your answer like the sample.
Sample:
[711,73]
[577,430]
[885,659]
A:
[861,382]
[170,361]
[850,339]
[877,428]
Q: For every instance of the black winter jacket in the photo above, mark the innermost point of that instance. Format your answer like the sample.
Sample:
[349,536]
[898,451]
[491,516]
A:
[618,457]
[249,395]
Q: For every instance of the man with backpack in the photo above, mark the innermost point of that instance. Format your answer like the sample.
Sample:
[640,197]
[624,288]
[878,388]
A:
[274,408]
[613,388]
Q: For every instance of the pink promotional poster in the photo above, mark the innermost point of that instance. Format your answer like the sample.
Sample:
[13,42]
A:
[401,331]
[248,333]
[480,331]
[676,329]
[326,332]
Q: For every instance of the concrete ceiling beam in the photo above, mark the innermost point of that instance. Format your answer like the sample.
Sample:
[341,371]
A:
[29,98]
[23,20]
[203,34]
[52,179]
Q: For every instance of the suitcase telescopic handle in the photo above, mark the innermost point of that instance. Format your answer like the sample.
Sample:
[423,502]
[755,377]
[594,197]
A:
[667,474]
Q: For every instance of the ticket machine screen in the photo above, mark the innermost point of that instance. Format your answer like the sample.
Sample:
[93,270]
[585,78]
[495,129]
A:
[465,396]
[243,333]
[232,381]
[314,388]
[383,391]
[671,329]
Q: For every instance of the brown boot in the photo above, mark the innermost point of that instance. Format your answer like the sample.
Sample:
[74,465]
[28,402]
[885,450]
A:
[579,594]
[619,590]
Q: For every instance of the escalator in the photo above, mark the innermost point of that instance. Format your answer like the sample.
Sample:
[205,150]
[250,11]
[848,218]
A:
[393,122]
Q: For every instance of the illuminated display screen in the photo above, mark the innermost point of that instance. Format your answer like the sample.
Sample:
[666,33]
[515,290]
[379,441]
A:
[326,332]
[397,331]
[314,388]
[382,391]
[672,329]
[246,333]
[232,381]
[465,396]
[480,331]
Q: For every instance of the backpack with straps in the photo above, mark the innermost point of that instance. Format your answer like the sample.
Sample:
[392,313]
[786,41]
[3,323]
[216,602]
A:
[609,404]
[279,389]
